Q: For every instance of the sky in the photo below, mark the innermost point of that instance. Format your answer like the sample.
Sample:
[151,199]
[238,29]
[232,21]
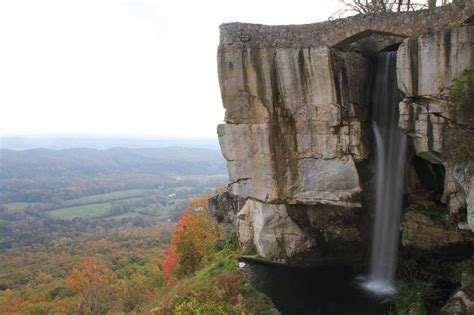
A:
[123,68]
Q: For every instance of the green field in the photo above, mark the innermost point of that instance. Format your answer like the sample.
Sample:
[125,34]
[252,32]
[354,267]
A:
[113,196]
[85,211]
[143,203]
[131,214]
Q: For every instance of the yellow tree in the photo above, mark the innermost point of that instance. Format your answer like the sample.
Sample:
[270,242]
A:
[93,281]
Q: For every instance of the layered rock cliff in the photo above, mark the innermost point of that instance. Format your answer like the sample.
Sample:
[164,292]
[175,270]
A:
[297,135]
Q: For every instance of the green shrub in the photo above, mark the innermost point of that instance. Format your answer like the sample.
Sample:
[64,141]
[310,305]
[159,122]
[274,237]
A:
[459,139]
[411,297]
[250,249]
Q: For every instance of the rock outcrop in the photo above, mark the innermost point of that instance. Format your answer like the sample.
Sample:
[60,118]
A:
[431,230]
[297,136]
[428,66]
[294,126]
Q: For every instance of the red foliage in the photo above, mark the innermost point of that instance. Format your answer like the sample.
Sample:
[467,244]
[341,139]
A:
[228,284]
[193,238]
[170,262]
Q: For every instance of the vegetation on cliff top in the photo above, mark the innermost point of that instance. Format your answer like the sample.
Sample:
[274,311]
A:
[459,139]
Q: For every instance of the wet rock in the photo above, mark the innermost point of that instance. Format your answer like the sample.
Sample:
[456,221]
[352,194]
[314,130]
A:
[460,303]
[429,230]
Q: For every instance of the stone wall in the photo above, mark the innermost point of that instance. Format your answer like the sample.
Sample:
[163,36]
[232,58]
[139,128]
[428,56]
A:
[236,36]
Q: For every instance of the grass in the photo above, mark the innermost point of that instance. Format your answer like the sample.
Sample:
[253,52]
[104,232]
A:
[86,211]
[411,297]
[113,196]
[131,214]
[96,206]
[211,290]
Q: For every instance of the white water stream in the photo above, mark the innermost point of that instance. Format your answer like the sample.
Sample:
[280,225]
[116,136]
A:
[390,159]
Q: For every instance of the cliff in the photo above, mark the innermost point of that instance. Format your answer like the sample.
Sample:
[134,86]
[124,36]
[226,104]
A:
[297,136]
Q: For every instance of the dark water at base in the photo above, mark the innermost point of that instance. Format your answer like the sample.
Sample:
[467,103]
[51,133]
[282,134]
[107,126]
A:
[322,291]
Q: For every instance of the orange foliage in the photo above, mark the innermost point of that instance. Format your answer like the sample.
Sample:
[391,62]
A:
[94,282]
[89,274]
[170,262]
[193,238]
[13,306]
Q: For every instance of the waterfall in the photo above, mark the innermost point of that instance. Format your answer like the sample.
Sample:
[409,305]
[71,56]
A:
[390,160]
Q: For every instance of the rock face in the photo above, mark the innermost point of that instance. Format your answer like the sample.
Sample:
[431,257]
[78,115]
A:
[297,137]
[275,235]
[294,126]
[421,231]
[427,68]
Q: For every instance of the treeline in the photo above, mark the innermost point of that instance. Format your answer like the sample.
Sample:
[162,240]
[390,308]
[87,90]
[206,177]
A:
[49,176]
[25,228]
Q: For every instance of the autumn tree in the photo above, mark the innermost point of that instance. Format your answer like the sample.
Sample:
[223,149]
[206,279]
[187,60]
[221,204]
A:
[194,237]
[93,281]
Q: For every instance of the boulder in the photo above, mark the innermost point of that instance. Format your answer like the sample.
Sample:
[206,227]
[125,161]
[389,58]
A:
[275,235]
[429,230]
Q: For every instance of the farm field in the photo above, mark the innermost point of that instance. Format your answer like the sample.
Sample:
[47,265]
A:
[85,211]
[112,196]
[145,203]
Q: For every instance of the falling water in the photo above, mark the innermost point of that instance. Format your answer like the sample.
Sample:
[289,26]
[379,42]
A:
[390,158]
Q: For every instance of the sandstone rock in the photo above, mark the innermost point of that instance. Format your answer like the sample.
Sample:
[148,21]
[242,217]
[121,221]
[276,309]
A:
[297,139]
[224,207]
[427,64]
[296,117]
[334,182]
[246,147]
[426,67]
[470,205]
[460,303]
[422,232]
[424,120]
[275,235]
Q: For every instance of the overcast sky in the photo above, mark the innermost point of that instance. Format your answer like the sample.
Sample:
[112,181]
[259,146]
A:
[123,68]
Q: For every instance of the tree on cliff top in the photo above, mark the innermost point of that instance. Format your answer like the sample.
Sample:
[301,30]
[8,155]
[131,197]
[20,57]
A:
[381,6]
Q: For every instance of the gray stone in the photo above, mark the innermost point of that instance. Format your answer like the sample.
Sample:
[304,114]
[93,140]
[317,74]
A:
[427,64]
[224,206]
[422,232]
[424,120]
[275,235]
[460,303]
[470,205]
[286,109]
[333,182]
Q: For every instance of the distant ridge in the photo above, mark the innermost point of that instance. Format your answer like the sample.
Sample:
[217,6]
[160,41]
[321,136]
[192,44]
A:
[103,143]
[165,161]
